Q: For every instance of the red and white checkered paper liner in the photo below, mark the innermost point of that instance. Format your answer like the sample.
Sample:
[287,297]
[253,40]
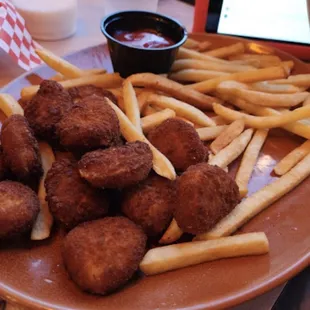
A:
[15,38]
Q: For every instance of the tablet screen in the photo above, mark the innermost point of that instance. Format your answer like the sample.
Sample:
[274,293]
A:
[278,20]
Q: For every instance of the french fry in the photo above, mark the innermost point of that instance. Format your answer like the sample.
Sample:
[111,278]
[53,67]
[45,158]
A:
[59,77]
[195,75]
[236,89]
[107,80]
[210,133]
[142,98]
[173,88]
[297,80]
[228,154]
[228,67]
[187,53]
[249,160]
[298,128]
[227,136]
[203,46]
[246,76]
[181,109]
[60,65]
[161,164]
[172,234]
[264,60]
[176,256]
[291,159]
[131,105]
[191,44]
[152,121]
[9,106]
[223,52]
[43,224]
[149,110]
[266,87]
[219,121]
[307,101]
[117,92]
[263,122]
[260,200]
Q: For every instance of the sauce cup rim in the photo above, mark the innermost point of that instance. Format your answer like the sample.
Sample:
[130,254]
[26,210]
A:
[105,23]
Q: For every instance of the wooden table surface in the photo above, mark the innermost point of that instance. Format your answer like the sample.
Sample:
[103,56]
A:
[88,34]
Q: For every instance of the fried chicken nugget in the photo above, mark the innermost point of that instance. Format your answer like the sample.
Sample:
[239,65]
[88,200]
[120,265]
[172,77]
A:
[117,167]
[179,142]
[19,209]
[102,255]
[151,204]
[81,92]
[90,124]
[206,194]
[20,149]
[47,108]
[71,199]
[3,168]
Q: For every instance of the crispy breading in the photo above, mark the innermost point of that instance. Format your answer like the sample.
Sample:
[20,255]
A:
[18,210]
[179,142]
[103,255]
[206,194]
[150,204]
[117,167]
[70,198]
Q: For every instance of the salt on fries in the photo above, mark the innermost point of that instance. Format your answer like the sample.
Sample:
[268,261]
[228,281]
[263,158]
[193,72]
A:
[249,160]
[291,159]
[223,52]
[263,122]
[172,88]
[60,65]
[131,105]
[43,224]
[297,128]
[210,133]
[227,136]
[176,256]
[236,89]
[172,234]
[228,154]
[228,67]
[182,109]
[151,121]
[9,106]
[108,80]
[195,75]
[260,200]
[258,75]
[161,164]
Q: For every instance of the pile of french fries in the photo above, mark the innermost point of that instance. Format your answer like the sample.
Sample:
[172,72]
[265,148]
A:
[232,98]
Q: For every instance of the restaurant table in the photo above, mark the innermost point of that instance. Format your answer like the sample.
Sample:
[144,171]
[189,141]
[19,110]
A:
[89,34]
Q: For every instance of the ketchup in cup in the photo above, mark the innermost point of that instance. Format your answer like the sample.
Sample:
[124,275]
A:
[140,41]
[145,38]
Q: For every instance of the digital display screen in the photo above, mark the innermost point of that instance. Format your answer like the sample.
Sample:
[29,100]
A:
[278,20]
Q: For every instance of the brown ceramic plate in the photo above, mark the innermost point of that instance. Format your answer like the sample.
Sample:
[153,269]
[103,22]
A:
[33,275]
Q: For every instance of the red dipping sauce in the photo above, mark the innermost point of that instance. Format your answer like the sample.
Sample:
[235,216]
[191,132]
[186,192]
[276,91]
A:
[144,38]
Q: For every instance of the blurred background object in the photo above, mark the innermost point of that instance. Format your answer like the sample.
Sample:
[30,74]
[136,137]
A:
[112,6]
[48,19]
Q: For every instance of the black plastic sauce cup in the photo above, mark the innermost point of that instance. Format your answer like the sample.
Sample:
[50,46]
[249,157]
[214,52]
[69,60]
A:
[128,59]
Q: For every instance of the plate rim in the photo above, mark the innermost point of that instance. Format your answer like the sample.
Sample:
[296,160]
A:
[10,294]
